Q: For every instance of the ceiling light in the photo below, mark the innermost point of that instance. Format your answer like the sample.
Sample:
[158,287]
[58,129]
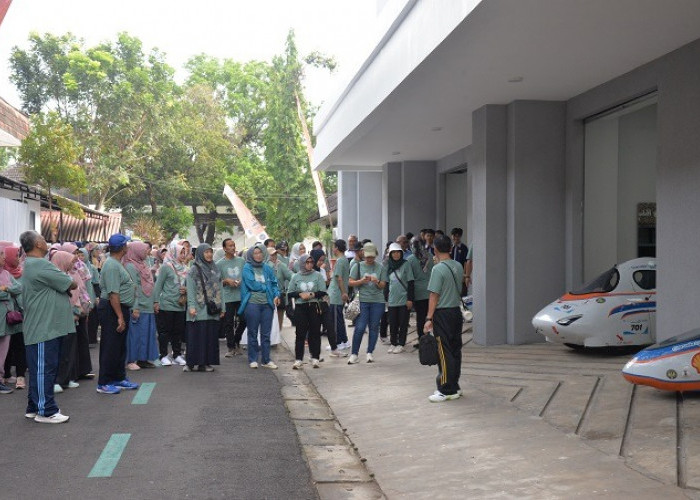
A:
[516,79]
[395,153]
[436,129]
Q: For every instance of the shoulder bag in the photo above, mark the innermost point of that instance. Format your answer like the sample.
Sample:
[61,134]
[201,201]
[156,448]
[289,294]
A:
[212,307]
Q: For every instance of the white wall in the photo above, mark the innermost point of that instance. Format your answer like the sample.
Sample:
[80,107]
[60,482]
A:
[457,203]
[15,217]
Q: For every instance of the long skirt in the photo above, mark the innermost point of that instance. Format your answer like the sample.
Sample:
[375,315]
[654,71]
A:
[203,342]
[142,340]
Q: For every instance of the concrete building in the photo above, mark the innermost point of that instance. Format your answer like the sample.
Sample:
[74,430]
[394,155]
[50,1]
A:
[561,134]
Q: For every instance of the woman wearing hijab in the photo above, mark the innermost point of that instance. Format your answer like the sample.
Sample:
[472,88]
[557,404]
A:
[421,263]
[307,287]
[68,364]
[93,263]
[10,291]
[400,295]
[284,275]
[169,302]
[297,250]
[259,298]
[16,356]
[205,308]
[141,346]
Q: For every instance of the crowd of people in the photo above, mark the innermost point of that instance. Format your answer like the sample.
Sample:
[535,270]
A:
[171,305]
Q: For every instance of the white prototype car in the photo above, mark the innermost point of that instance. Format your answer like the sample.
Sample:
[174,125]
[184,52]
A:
[618,308]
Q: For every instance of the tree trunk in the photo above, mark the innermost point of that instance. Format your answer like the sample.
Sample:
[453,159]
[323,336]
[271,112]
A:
[198,226]
[152,201]
[211,230]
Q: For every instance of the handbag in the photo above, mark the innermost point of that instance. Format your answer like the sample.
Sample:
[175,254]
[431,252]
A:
[212,307]
[427,350]
[352,310]
[14,317]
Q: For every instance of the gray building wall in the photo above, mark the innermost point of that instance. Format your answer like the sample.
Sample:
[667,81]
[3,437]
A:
[360,204]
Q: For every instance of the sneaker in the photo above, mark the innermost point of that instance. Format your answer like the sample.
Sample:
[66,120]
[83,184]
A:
[353,359]
[5,390]
[72,384]
[187,368]
[126,384]
[11,380]
[133,367]
[21,383]
[315,363]
[208,368]
[370,358]
[385,340]
[238,351]
[334,354]
[390,350]
[56,418]
[30,414]
[328,348]
[230,353]
[297,365]
[57,389]
[398,349]
[87,376]
[269,365]
[165,361]
[254,364]
[180,360]
[438,397]
[108,389]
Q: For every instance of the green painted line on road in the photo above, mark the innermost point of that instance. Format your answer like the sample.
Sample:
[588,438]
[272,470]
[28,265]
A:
[143,394]
[110,456]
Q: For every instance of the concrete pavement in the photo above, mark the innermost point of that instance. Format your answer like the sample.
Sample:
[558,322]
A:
[536,421]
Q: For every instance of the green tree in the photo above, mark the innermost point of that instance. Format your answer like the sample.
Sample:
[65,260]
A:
[49,156]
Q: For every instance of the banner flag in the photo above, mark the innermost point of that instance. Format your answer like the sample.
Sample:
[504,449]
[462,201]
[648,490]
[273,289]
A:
[252,227]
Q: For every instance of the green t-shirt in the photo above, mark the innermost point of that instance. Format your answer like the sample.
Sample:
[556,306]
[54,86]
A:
[313,282]
[115,279]
[258,297]
[342,271]
[445,280]
[398,295]
[142,302]
[167,289]
[7,303]
[421,278]
[231,269]
[283,274]
[47,310]
[369,292]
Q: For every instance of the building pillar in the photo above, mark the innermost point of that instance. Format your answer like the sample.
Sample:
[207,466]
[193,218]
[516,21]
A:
[360,204]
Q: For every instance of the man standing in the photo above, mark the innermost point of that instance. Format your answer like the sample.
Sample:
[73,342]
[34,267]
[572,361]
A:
[231,268]
[352,243]
[459,254]
[405,245]
[117,296]
[48,317]
[445,320]
[338,293]
[429,237]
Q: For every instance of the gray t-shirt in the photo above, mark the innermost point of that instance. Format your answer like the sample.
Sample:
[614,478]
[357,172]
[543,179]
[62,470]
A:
[342,271]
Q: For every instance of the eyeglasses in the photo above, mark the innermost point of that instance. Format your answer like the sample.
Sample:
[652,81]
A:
[310,262]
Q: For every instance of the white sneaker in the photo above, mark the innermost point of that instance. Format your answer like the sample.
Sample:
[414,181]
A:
[334,354]
[297,365]
[180,360]
[57,389]
[73,384]
[353,359]
[398,349]
[438,397]
[390,350]
[328,348]
[370,358]
[56,418]
[165,361]
[315,363]
[254,364]
[30,415]
[269,365]
[385,340]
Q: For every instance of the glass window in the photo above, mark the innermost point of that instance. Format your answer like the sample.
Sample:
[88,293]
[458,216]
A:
[646,279]
[606,282]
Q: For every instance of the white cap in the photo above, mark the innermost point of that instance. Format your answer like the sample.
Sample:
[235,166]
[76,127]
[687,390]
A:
[395,247]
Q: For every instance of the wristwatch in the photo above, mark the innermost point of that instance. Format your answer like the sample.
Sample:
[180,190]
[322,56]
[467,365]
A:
[428,319]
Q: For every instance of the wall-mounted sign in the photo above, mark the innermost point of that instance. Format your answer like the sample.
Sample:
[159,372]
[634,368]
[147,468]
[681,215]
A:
[646,214]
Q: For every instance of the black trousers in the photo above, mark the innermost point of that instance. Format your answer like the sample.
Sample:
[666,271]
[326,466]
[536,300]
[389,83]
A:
[328,325]
[68,360]
[421,308]
[398,324]
[171,328]
[112,344]
[92,323]
[84,363]
[308,320]
[234,324]
[447,328]
[384,325]
[16,356]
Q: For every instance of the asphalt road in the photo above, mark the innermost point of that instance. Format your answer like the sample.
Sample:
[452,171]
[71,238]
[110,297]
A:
[224,434]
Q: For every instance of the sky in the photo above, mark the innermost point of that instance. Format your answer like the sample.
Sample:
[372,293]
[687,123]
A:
[234,29]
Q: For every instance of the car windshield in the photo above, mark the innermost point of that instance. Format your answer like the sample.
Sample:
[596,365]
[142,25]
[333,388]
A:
[678,339]
[606,282]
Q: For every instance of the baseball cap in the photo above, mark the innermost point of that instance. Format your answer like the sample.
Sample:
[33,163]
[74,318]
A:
[370,250]
[395,247]
[271,251]
[118,240]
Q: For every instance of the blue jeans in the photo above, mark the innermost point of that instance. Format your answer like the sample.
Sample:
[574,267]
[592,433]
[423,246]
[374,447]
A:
[258,317]
[341,335]
[370,314]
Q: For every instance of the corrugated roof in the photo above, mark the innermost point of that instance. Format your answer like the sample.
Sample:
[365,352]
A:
[96,226]
[13,121]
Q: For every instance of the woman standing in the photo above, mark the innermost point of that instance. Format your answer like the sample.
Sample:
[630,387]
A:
[284,276]
[16,356]
[369,278]
[307,287]
[205,309]
[259,298]
[141,347]
[297,250]
[169,302]
[400,297]
[421,262]
[93,263]
[10,290]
